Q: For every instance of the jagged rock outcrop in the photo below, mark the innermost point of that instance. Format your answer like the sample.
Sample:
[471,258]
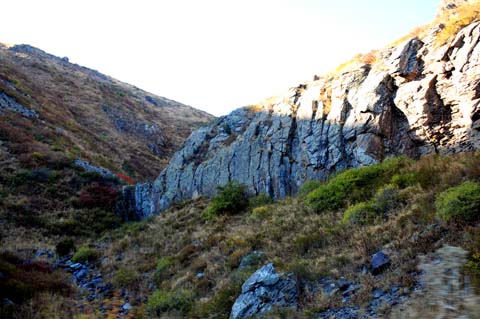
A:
[416,98]
[263,291]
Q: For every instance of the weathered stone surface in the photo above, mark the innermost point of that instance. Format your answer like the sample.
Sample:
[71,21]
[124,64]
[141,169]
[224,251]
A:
[9,103]
[379,262]
[92,168]
[263,291]
[416,99]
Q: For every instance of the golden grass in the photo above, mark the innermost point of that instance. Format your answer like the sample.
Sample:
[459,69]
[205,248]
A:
[454,20]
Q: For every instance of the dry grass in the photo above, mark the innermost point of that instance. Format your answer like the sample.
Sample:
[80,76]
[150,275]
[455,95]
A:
[296,239]
[71,100]
[454,20]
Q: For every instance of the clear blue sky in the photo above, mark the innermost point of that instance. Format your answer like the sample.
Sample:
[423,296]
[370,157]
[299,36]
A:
[212,54]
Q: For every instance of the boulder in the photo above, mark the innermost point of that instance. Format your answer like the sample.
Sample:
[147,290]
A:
[379,262]
[265,290]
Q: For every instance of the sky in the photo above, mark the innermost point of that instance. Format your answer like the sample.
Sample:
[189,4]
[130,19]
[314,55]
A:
[215,55]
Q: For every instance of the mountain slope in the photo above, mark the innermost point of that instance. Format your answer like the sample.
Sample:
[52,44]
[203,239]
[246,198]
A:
[48,104]
[416,97]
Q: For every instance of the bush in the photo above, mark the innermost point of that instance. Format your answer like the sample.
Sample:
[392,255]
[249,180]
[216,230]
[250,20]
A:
[361,214]
[354,185]
[97,220]
[308,187]
[386,199]
[162,301]
[65,247]
[260,200]
[164,266]
[231,199]
[85,254]
[98,195]
[124,277]
[460,203]
[404,180]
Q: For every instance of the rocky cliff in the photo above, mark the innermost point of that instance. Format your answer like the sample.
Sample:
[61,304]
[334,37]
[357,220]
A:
[413,98]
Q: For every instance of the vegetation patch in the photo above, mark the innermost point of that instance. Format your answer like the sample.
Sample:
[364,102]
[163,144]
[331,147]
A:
[460,203]
[179,301]
[85,254]
[231,199]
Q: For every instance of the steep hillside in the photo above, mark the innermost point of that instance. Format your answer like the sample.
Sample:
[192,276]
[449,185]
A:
[419,96]
[48,105]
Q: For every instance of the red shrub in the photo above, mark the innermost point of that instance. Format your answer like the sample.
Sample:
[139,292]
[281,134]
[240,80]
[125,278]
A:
[98,195]
[126,178]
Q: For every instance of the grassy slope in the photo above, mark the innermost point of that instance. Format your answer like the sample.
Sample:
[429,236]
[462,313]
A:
[40,189]
[296,238]
[71,101]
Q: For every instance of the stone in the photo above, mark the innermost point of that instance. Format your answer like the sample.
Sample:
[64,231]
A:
[9,103]
[126,307]
[92,168]
[81,274]
[379,262]
[263,291]
[417,99]
[76,266]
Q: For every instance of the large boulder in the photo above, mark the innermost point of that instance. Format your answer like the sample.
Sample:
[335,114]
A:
[263,291]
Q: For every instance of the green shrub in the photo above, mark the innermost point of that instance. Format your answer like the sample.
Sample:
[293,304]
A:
[460,203]
[260,200]
[85,254]
[231,199]
[361,214]
[308,187]
[97,220]
[162,271]
[326,197]
[124,277]
[162,301]
[386,199]
[65,247]
[353,185]
[404,180]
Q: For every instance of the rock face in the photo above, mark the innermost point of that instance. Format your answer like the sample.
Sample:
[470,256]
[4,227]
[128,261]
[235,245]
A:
[264,290]
[415,99]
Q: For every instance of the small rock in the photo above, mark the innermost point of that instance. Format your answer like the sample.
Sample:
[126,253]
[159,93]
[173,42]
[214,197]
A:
[200,275]
[81,274]
[77,266]
[7,302]
[264,290]
[377,293]
[380,261]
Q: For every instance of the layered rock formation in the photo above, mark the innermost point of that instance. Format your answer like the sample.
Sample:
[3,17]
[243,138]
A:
[416,98]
